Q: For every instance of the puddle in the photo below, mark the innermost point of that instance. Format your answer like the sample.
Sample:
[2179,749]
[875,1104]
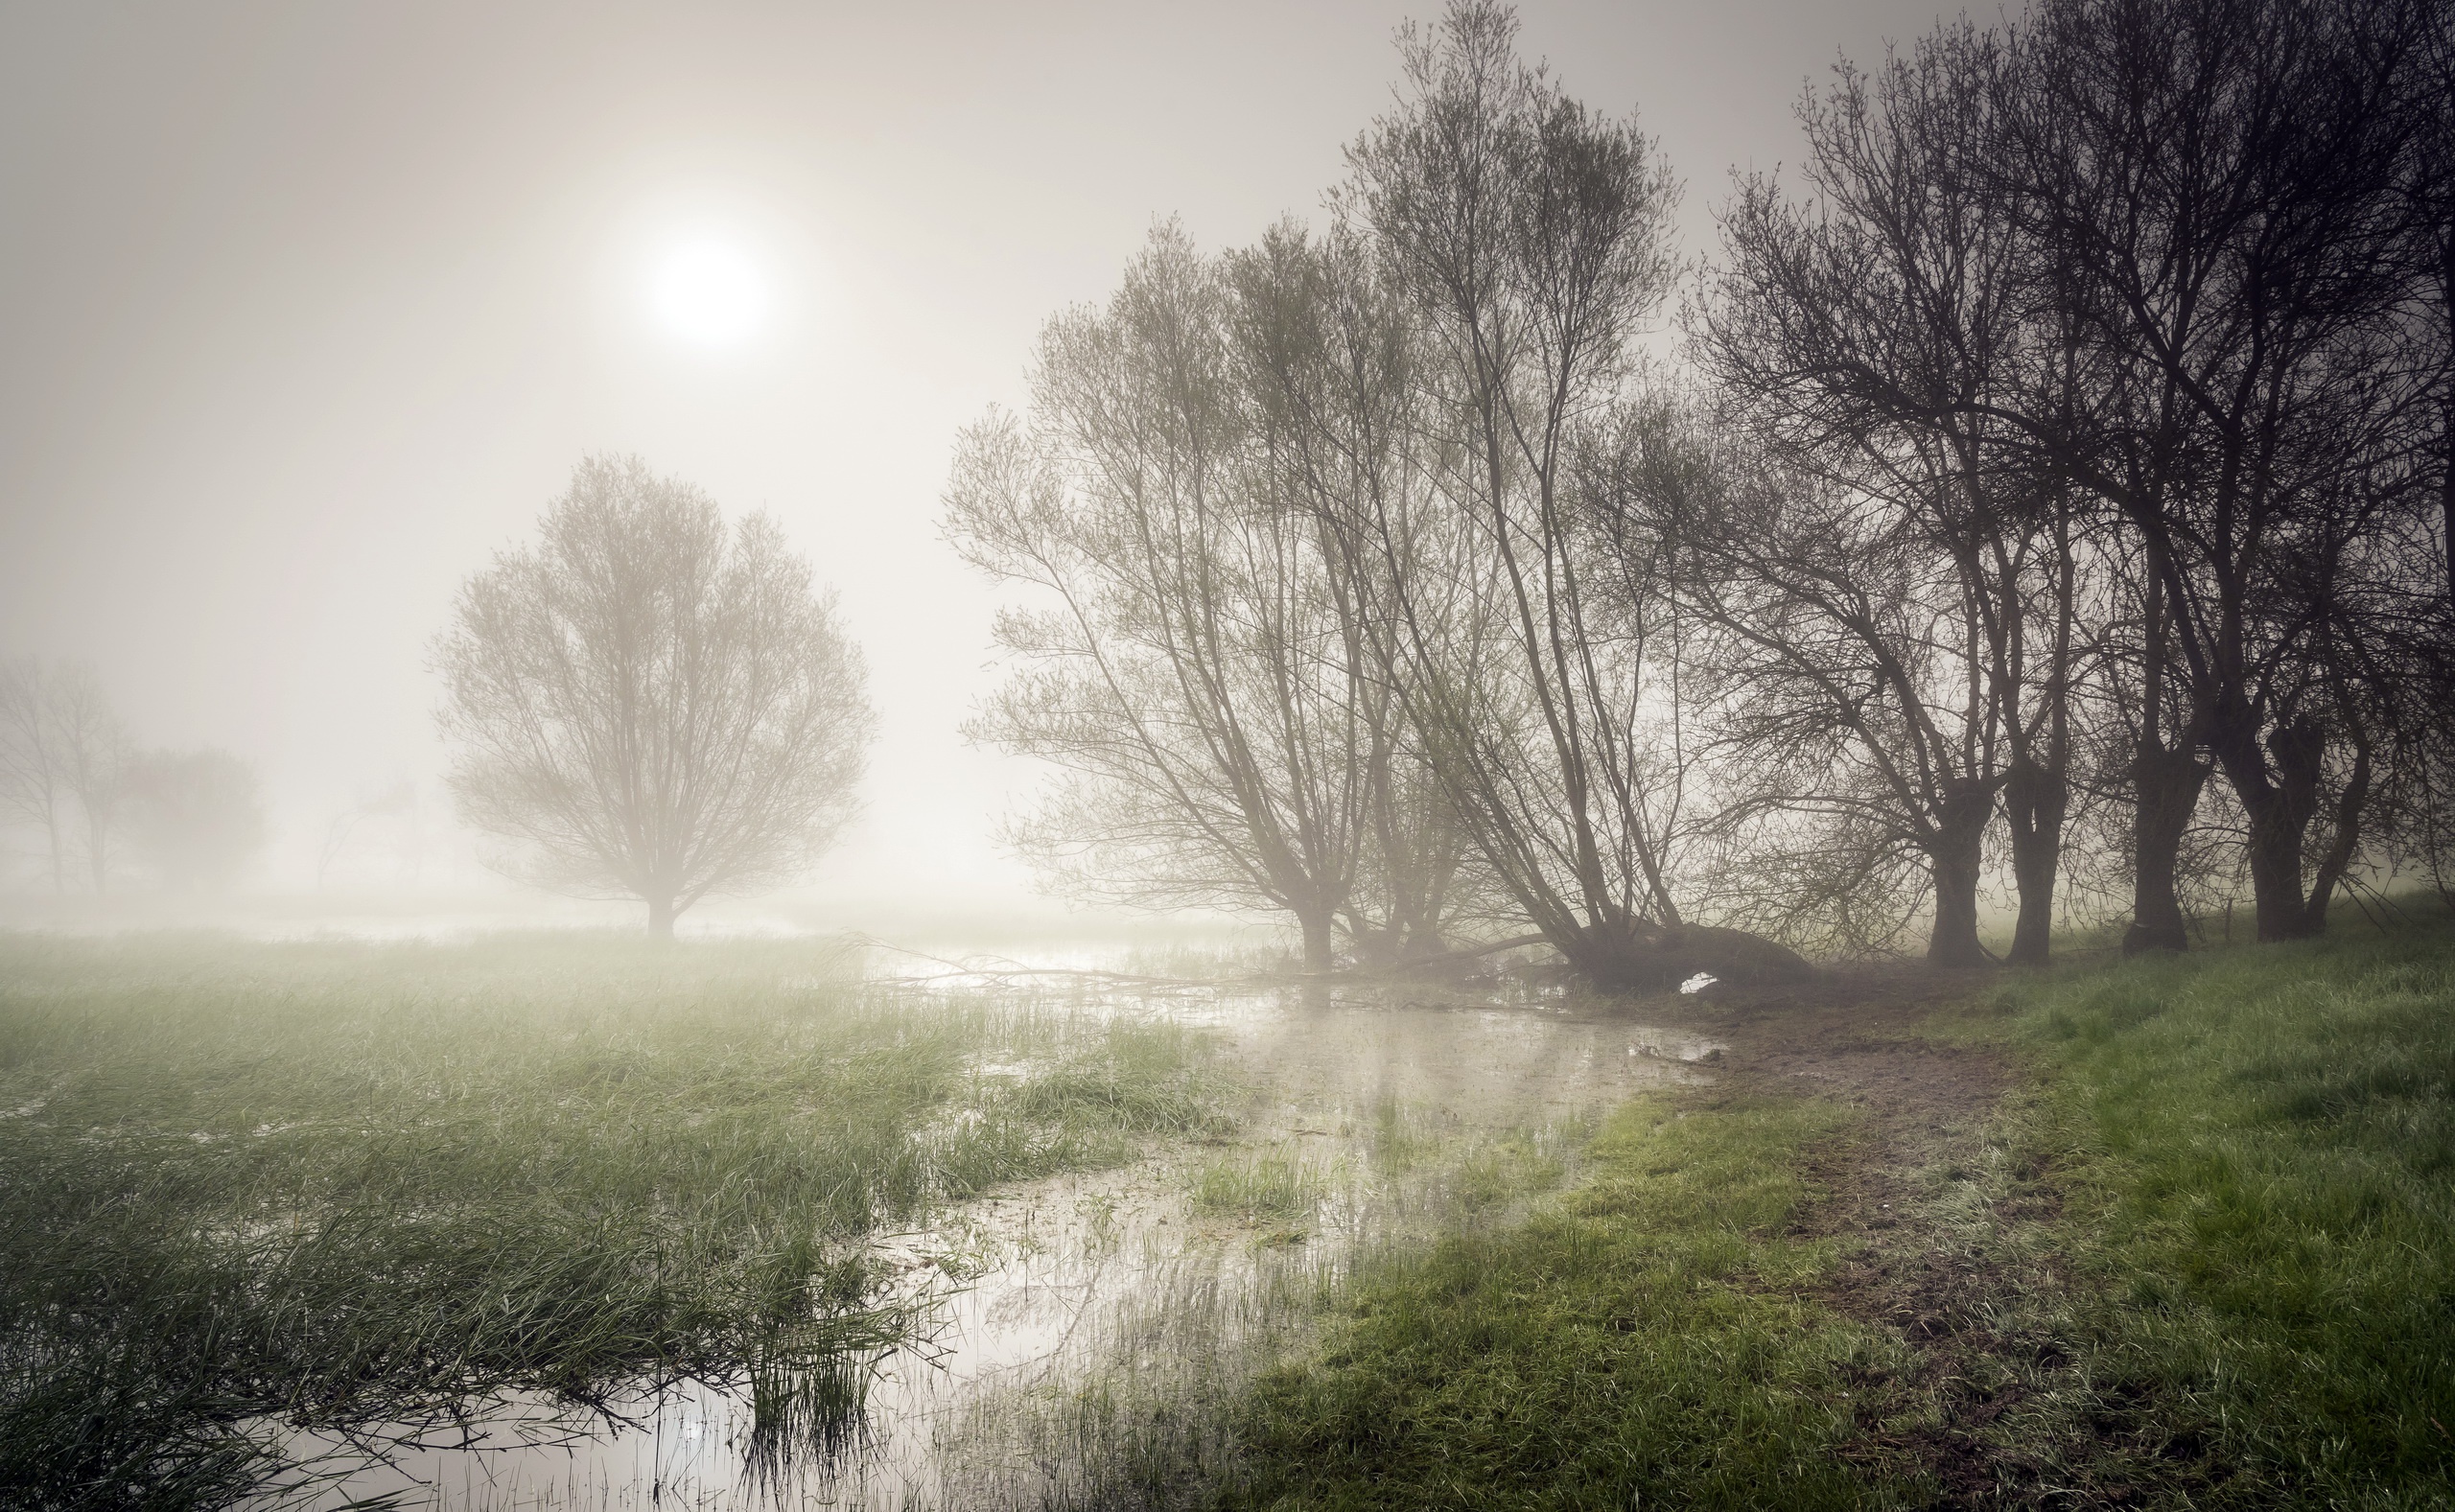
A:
[1376,1117]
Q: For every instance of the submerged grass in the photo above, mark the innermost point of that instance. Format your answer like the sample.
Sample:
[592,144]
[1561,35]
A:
[249,1186]
[1146,1412]
[1259,1187]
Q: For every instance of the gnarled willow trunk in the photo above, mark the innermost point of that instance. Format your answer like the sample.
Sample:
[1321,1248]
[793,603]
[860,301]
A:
[1320,953]
[1640,957]
[2035,800]
[1960,832]
[2165,784]
[2279,788]
[2343,843]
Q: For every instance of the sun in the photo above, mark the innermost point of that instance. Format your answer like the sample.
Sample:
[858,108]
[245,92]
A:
[708,292]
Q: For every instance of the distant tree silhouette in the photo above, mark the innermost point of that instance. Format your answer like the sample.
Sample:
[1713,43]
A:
[650,704]
[95,750]
[61,745]
[32,779]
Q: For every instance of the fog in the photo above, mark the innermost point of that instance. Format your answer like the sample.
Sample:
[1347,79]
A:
[305,311]
[1741,722]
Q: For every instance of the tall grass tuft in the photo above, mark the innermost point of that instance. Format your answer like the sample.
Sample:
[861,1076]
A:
[1257,1188]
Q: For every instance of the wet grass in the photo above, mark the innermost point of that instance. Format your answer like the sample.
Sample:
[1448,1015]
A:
[1264,1187]
[1642,1337]
[249,1187]
[1149,1412]
[2257,1148]
[2203,1257]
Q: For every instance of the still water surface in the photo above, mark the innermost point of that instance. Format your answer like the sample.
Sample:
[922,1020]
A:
[1377,1116]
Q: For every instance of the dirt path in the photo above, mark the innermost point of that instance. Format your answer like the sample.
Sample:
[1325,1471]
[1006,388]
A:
[1946,1240]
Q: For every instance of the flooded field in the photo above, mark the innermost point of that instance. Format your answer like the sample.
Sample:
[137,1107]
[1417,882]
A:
[1058,1314]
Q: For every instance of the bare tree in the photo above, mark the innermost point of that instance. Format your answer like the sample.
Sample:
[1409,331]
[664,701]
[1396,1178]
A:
[2136,274]
[398,800]
[651,705]
[1866,332]
[196,815]
[2420,783]
[1189,662]
[1326,345]
[2213,184]
[33,769]
[1532,236]
[2429,186]
[95,750]
[1844,678]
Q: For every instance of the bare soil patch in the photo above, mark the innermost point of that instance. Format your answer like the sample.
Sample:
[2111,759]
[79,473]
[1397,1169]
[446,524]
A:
[1946,1235]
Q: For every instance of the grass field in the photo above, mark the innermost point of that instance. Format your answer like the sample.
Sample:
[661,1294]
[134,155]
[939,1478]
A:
[2167,1233]
[1639,1338]
[2258,1147]
[2202,1254]
[331,1184]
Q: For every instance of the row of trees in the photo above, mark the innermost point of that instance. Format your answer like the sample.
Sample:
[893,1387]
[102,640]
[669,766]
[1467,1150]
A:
[2080,431]
[2135,317]
[73,778]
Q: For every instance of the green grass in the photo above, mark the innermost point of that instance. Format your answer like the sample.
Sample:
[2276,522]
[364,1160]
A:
[2213,1251]
[1638,1337]
[2258,1148]
[243,1185]
[329,1182]
[1257,1188]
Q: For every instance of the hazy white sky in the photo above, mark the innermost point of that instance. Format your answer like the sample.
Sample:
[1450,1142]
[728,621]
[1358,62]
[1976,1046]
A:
[307,308]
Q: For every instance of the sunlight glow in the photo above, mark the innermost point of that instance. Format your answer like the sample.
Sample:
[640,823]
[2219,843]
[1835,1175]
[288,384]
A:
[708,292]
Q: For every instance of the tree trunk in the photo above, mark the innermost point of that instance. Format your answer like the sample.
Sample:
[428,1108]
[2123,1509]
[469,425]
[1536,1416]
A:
[2167,784]
[2279,795]
[1960,834]
[97,846]
[661,913]
[1319,953]
[2346,842]
[1610,960]
[1643,957]
[2035,800]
